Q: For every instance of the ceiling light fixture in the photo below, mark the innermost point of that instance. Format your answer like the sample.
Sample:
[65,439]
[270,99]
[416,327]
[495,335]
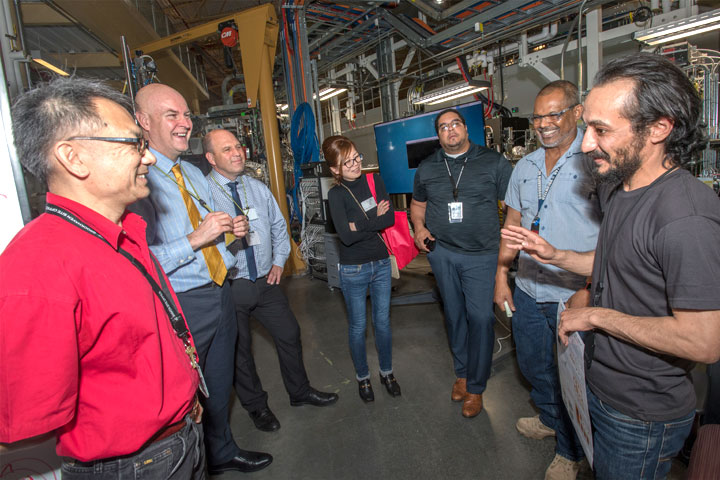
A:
[445,94]
[686,27]
[333,92]
[37,57]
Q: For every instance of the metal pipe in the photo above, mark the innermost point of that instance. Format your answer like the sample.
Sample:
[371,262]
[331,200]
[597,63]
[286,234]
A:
[579,50]
[18,177]
[567,40]
[21,35]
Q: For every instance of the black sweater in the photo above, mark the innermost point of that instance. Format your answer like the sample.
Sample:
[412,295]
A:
[363,245]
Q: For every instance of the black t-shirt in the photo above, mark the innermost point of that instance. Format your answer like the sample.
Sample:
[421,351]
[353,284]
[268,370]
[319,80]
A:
[663,249]
[482,184]
[363,245]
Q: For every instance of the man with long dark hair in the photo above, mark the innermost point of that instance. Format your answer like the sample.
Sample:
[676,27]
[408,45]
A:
[655,297]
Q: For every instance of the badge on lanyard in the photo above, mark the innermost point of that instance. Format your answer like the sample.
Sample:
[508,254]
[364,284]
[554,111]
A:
[253,239]
[455,212]
[455,209]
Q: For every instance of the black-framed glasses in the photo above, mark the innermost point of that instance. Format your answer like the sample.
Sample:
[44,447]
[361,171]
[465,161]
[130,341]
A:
[553,117]
[449,126]
[352,161]
[141,144]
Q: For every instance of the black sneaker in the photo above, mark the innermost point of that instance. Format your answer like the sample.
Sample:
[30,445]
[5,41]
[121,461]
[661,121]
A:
[366,391]
[391,385]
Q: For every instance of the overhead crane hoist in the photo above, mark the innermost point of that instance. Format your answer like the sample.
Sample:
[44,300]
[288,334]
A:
[257,31]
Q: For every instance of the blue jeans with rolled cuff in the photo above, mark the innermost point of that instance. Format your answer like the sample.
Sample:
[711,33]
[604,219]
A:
[355,280]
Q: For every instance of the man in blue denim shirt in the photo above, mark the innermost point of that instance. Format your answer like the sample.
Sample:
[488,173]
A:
[549,192]
[255,281]
[183,231]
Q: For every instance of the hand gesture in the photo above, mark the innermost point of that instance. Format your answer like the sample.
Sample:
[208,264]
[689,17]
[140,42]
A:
[212,226]
[519,238]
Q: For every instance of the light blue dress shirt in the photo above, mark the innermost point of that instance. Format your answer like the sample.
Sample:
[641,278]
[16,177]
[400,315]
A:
[569,218]
[270,226]
[169,225]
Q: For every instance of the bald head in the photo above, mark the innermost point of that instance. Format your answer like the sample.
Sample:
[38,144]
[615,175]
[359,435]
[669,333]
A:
[165,117]
[224,153]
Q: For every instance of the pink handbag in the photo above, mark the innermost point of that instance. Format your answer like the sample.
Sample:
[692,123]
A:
[397,237]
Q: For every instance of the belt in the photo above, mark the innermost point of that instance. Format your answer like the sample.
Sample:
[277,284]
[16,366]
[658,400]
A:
[161,434]
[165,432]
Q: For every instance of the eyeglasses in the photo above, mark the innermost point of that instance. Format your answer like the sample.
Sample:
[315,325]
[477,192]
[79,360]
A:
[449,126]
[141,144]
[352,161]
[553,117]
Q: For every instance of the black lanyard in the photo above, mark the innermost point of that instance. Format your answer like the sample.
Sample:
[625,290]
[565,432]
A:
[454,183]
[604,251]
[176,320]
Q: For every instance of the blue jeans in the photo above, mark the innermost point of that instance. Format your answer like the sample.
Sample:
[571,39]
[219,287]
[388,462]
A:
[180,456]
[626,447]
[354,281]
[466,284]
[534,332]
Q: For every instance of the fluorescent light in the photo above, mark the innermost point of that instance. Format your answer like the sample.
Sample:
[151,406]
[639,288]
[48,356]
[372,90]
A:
[686,27]
[36,57]
[332,93]
[445,94]
[683,35]
[458,95]
[323,92]
[282,106]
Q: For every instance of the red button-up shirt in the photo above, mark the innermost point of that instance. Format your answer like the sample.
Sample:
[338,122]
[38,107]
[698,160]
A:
[86,348]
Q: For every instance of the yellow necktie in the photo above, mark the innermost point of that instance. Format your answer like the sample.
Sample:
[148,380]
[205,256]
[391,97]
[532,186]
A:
[213,259]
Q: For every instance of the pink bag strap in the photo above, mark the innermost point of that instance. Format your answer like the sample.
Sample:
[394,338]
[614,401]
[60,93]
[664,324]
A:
[370,178]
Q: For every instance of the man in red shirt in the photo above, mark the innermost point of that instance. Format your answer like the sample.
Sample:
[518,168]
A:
[94,347]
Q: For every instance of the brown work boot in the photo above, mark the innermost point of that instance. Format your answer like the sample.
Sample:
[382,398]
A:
[472,405]
[459,390]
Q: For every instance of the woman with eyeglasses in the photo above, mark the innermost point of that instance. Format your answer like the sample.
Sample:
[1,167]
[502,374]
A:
[364,261]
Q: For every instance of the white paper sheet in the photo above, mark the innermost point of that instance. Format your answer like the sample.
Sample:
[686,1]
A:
[571,369]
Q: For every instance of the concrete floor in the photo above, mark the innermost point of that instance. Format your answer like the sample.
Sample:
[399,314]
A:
[420,435]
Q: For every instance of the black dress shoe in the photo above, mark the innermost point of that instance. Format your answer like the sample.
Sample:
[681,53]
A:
[313,397]
[366,391]
[244,461]
[265,420]
[391,385]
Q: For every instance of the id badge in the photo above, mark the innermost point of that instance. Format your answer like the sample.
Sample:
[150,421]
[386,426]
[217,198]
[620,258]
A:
[455,212]
[252,213]
[253,239]
[368,204]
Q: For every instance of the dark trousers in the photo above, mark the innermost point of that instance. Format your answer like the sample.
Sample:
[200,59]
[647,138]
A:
[177,457]
[712,400]
[209,314]
[267,304]
[466,284]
